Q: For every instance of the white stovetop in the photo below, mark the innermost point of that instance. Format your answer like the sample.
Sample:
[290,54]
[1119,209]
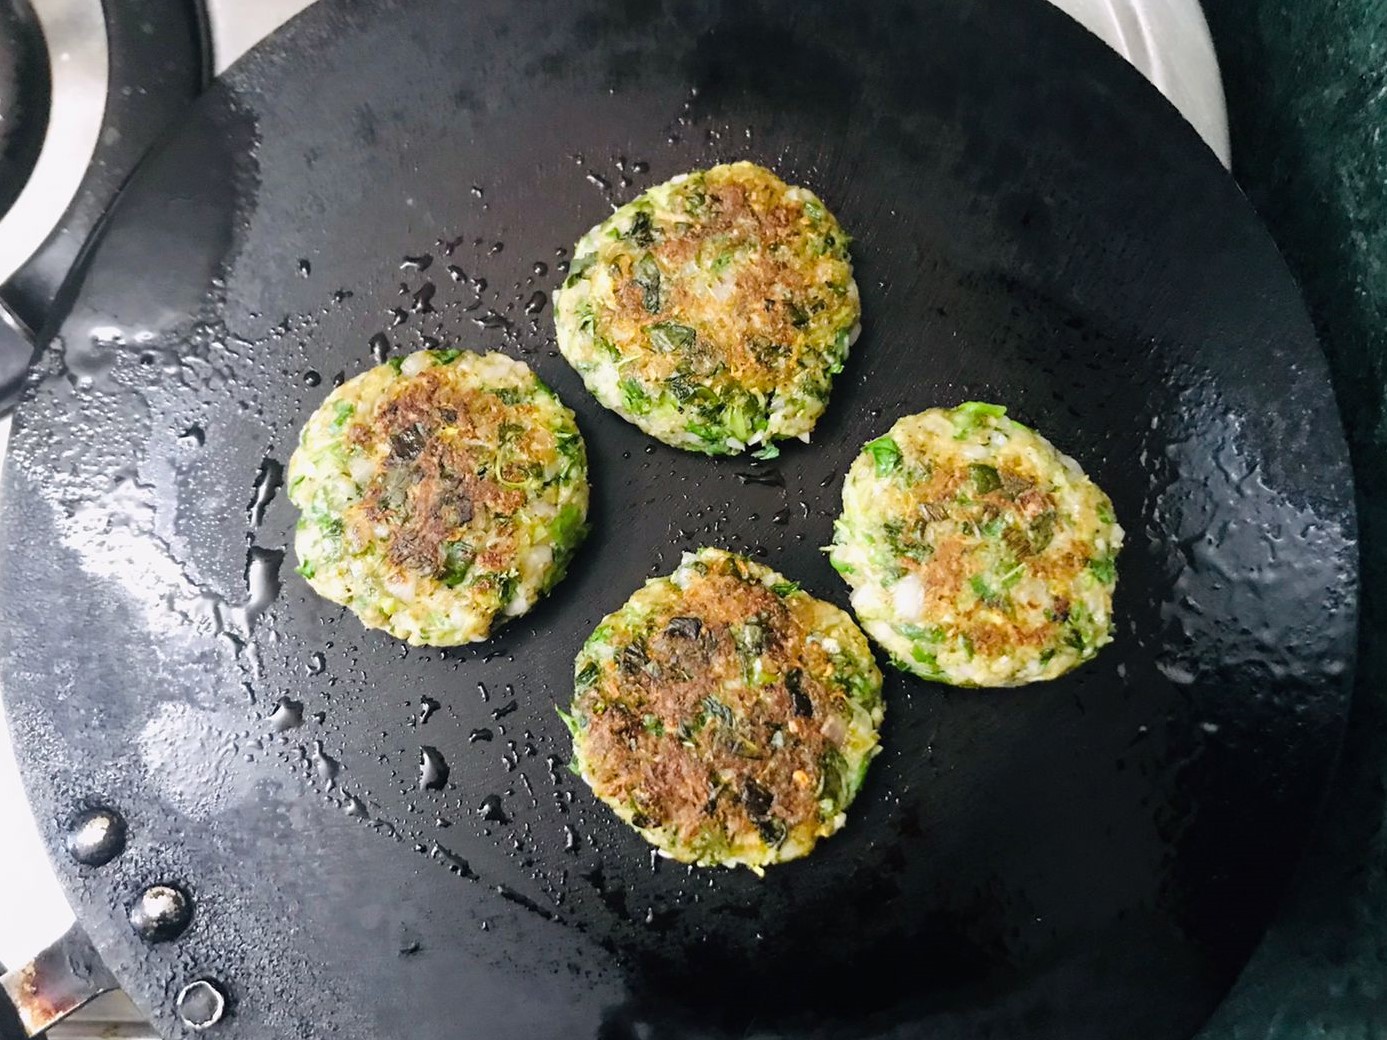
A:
[1166,39]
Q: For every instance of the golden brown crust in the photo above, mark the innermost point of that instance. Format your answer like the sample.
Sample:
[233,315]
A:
[433,477]
[761,345]
[645,742]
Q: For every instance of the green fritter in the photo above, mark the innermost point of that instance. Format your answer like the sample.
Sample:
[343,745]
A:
[978,554]
[713,311]
[725,714]
[441,495]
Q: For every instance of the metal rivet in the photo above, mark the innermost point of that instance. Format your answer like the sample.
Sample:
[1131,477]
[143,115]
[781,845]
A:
[201,1004]
[161,913]
[96,836]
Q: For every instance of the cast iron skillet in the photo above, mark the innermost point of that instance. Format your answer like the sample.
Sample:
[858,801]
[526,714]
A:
[1034,225]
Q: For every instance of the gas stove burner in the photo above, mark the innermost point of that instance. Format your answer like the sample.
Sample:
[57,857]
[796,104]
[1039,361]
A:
[85,88]
[56,106]
[25,93]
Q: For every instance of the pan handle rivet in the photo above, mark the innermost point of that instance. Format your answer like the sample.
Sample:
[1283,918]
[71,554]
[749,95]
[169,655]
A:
[161,913]
[201,1004]
[96,836]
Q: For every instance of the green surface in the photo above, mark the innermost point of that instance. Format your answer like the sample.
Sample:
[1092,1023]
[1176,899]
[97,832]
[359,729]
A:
[1307,97]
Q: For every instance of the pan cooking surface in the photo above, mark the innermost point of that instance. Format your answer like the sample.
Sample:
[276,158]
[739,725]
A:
[379,839]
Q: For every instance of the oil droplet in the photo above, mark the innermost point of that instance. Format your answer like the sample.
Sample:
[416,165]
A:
[262,580]
[504,710]
[640,166]
[598,181]
[354,806]
[427,706]
[305,268]
[324,764]
[433,771]
[416,263]
[194,435]
[541,268]
[479,734]
[397,317]
[380,347]
[570,839]
[342,294]
[421,302]
[492,810]
[268,480]
[769,477]
[317,663]
[476,191]
[454,862]
[456,273]
[311,378]
[781,516]
[536,302]
[496,247]
[288,714]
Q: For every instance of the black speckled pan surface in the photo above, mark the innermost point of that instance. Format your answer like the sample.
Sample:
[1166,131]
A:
[1094,857]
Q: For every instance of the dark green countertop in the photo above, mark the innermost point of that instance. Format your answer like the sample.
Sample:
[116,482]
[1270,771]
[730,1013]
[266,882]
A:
[1307,96]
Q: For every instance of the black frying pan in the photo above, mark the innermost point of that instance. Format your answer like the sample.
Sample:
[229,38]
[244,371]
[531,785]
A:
[1090,857]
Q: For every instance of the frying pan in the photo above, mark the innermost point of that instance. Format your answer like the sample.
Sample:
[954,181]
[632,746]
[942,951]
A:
[1094,856]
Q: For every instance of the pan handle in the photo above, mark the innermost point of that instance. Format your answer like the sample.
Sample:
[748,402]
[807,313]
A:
[16,352]
[53,985]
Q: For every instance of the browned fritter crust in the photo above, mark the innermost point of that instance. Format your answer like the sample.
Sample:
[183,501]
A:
[435,477]
[726,714]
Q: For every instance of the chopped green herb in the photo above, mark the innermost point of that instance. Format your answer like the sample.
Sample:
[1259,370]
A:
[767,452]
[652,724]
[925,659]
[833,779]
[985,478]
[647,276]
[971,413]
[1043,530]
[457,561]
[983,591]
[930,633]
[587,676]
[885,453]
[641,230]
[569,721]
[1103,569]
[634,397]
[578,268]
[785,588]
[508,394]
[306,568]
[708,434]
[566,528]
[344,411]
[1105,513]
[396,363]
[446,357]
[667,337]
[740,417]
